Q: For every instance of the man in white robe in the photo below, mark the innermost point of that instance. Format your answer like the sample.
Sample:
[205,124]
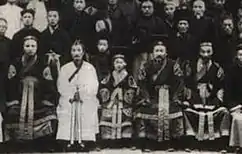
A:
[78,78]
[12,13]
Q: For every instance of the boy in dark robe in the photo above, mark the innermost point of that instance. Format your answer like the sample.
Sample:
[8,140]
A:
[102,58]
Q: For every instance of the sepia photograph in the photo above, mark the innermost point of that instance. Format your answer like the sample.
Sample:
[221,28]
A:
[121,76]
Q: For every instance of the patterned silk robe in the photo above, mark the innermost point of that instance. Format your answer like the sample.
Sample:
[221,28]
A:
[31,100]
[206,117]
[158,114]
[117,95]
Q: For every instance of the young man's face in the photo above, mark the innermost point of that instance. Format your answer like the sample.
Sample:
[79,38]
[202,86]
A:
[79,5]
[239,55]
[228,26]
[169,10]
[159,52]
[53,18]
[206,52]
[28,19]
[147,8]
[119,64]
[102,45]
[3,27]
[239,13]
[30,47]
[77,52]
[198,8]
[183,26]
[112,2]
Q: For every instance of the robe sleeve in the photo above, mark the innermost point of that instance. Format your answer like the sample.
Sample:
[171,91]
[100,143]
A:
[62,83]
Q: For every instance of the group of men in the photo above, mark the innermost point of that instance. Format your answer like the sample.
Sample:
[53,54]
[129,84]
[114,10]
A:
[145,74]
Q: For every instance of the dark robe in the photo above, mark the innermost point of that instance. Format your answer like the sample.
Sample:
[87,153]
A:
[183,46]
[120,26]
[31,101]
[59,42]
[225,49]
[80,25]
[158,114]
[233,82]
[144,27]
[202,28]
[4,60]
[102,63]
[117,99]
[18,39]
[206,116]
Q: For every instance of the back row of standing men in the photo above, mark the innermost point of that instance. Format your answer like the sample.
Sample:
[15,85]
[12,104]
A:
[166,74]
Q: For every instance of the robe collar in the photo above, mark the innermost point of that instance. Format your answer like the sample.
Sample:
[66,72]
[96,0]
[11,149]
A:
[119,76]
[52,30]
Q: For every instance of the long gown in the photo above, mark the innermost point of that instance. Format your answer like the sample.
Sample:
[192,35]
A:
[31,101]
[87,81]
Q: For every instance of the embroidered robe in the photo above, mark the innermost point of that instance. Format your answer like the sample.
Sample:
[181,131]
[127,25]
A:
[158,114]
[206,117]
[31,101]
[117,97]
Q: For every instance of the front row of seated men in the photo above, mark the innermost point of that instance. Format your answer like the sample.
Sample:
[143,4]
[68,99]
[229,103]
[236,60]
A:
[165,103]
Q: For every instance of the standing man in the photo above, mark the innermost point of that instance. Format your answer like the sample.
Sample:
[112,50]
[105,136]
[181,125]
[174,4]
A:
[4,60]
[78,87]
[11,12]
[55,41]
[27,18]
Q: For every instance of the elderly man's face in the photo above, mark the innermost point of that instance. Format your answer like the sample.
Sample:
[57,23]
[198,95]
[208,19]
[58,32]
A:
[228,26]
[198,8]
[147,8]
[183,26]
[206,52]
[77,52]
[3,27]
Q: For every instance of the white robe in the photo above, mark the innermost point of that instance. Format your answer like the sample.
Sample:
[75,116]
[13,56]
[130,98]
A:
[40,22]
[12,13]
[87,81]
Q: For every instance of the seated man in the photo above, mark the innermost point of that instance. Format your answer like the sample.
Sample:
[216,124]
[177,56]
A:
[31,98]
[159,115]
[206,117]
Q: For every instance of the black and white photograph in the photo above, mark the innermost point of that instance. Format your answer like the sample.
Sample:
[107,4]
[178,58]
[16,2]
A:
[121,76]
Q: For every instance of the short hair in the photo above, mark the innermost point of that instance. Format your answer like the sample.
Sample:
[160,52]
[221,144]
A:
[31,11]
